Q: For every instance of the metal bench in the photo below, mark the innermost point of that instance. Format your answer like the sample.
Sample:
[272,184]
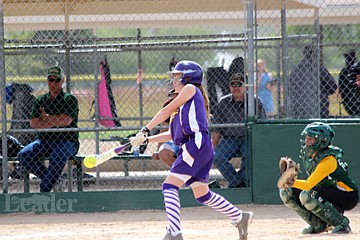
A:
[26,174]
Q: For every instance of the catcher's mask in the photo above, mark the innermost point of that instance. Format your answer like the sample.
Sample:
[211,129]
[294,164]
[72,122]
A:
[191,72]
[323,135]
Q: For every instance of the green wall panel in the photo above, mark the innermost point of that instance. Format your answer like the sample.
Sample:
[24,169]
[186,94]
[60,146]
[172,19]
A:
[108,201]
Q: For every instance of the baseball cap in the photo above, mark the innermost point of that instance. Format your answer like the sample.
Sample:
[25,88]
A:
[237,77]
[55,71]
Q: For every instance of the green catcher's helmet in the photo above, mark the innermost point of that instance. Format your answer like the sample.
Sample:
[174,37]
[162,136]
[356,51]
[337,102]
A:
[323,134]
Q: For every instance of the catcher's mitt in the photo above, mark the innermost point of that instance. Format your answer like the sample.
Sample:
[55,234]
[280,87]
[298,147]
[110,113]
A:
[289,170]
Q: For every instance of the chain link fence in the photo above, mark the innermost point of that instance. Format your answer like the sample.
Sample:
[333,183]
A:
[115,55]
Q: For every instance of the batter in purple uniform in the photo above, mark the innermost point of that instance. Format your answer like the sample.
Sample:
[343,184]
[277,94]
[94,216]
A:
[189,112]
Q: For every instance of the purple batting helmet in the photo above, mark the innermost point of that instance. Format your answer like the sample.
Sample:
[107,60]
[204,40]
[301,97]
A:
[191,72]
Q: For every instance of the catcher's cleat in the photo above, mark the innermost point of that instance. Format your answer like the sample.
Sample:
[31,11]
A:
[315,229]
[168,236]
[343,228]
[244,224]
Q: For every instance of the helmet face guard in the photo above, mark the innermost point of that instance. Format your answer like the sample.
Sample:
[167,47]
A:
[323,135]
[191,72]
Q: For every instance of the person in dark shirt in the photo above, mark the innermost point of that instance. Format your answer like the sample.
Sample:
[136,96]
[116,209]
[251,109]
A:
[346,87]
[355,78]
[309,88]
[55,109]
[167,151]
[230,142]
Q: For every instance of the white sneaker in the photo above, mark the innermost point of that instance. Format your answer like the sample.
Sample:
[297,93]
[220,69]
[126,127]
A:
[168,236]
[244,224]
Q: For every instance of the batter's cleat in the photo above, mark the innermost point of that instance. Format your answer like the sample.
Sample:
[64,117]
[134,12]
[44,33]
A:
[244,224]
[168,236]
[343,228]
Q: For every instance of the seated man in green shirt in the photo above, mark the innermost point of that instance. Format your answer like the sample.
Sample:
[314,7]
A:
[55,109]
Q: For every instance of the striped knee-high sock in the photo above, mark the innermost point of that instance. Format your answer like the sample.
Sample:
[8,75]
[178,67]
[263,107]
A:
[220,204]
[172,206]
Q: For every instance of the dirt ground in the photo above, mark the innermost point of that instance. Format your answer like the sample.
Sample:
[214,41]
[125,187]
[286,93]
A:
[270,222]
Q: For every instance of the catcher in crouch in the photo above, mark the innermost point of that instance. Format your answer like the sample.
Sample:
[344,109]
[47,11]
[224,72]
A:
[328,192]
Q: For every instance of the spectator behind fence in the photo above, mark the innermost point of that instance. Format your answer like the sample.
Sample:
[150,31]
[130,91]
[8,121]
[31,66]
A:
[219,77]
[19,95]
[355,77]
[230,142]
[346,87]
[264,88]
[308,95]
[167,151]
[55,109]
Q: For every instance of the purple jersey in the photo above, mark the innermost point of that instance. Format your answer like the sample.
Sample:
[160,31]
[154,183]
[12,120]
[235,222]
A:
[188,128]
[189,119]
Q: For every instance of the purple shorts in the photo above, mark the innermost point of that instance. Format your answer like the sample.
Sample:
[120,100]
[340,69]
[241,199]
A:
[195,158]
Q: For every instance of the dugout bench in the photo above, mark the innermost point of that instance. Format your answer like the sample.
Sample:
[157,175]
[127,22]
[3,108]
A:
[77,162]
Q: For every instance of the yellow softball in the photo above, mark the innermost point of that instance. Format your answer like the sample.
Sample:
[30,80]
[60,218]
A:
[90,161]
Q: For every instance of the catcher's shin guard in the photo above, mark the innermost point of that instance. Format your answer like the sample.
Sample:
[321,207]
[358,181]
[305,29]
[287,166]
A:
[290,201]
[326,212]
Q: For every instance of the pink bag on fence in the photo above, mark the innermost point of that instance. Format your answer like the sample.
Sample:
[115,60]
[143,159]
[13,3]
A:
[107,108]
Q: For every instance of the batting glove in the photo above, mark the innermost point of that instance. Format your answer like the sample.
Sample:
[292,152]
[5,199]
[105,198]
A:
[139,139]
[145,131]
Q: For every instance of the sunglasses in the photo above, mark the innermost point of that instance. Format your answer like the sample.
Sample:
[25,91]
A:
[236,84]
[57,80]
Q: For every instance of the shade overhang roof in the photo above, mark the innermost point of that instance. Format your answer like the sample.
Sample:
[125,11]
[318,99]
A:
[76,14]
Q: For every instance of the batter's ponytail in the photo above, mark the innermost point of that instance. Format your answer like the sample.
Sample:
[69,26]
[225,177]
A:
[206,99]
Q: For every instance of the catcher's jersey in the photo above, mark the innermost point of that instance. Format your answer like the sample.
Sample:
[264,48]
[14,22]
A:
[329,171]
